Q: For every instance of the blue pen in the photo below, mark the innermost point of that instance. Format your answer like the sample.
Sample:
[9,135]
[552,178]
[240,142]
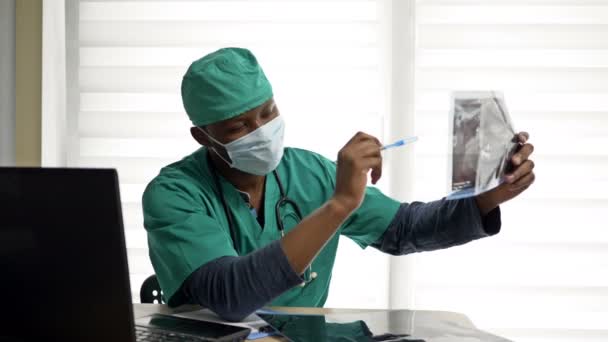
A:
[401,142]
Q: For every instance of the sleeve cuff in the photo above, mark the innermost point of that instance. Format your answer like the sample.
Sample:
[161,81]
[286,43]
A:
[290,277]
[491,222]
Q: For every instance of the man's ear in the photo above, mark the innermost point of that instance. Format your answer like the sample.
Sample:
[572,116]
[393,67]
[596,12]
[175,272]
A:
[200,137]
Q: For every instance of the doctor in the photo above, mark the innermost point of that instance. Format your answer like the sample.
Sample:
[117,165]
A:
[244,222]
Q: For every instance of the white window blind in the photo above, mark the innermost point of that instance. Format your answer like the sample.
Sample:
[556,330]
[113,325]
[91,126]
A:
[545,276]
[322,58]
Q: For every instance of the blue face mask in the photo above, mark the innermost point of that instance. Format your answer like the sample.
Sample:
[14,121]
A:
[258,152]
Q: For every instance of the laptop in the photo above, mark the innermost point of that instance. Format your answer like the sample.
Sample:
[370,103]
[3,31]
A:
[63,263]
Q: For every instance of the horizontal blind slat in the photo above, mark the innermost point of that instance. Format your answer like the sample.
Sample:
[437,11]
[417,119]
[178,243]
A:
[493,36]
[168,79]
[512,14]
[513,80]
[508,58]
[270,54]
[183,34]
[228,10]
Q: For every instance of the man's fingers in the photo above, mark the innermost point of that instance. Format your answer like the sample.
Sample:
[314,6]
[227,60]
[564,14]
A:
[370,158]
[364,148]
[364,151]
[523,137]
[375,163]
[358,137]
[362,136]
[522,155]
[370,163]
[370,150]
[523,183]
[376,141]
[361,145]
[376,174]
[521,171]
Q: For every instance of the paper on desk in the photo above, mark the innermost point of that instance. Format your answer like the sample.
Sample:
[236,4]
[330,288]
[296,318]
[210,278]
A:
[253,321]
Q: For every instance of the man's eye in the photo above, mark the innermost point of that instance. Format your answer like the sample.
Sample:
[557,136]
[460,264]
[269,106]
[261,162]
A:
[236,128]
[269,113]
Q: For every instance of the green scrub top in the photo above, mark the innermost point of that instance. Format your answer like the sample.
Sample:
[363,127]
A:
[187,226]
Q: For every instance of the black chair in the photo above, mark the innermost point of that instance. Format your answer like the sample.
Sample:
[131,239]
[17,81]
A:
[150,292]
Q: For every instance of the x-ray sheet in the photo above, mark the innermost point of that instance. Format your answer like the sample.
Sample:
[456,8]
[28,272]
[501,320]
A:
[482,142]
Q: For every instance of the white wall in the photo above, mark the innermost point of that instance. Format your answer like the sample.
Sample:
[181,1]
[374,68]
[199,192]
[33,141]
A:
[7,82]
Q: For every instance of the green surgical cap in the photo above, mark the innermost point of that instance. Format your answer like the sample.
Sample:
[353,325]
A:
[222,85]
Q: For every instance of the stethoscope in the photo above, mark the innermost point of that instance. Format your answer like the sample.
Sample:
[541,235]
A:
[309,275]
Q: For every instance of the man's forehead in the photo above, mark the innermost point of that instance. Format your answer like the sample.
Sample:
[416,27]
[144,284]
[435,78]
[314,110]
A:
[266,105]
[252,112]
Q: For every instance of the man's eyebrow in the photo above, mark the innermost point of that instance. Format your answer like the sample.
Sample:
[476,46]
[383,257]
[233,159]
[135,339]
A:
[233,121]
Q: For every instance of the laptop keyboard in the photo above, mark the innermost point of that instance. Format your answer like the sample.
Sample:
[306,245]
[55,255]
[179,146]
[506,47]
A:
[152,335]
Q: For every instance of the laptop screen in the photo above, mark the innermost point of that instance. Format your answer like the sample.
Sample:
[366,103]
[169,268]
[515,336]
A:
[62,256]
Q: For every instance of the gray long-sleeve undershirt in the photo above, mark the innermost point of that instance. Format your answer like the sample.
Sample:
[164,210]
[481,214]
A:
[234,287]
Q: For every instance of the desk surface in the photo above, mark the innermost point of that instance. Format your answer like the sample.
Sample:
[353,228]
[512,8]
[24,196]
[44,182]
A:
[141,310]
